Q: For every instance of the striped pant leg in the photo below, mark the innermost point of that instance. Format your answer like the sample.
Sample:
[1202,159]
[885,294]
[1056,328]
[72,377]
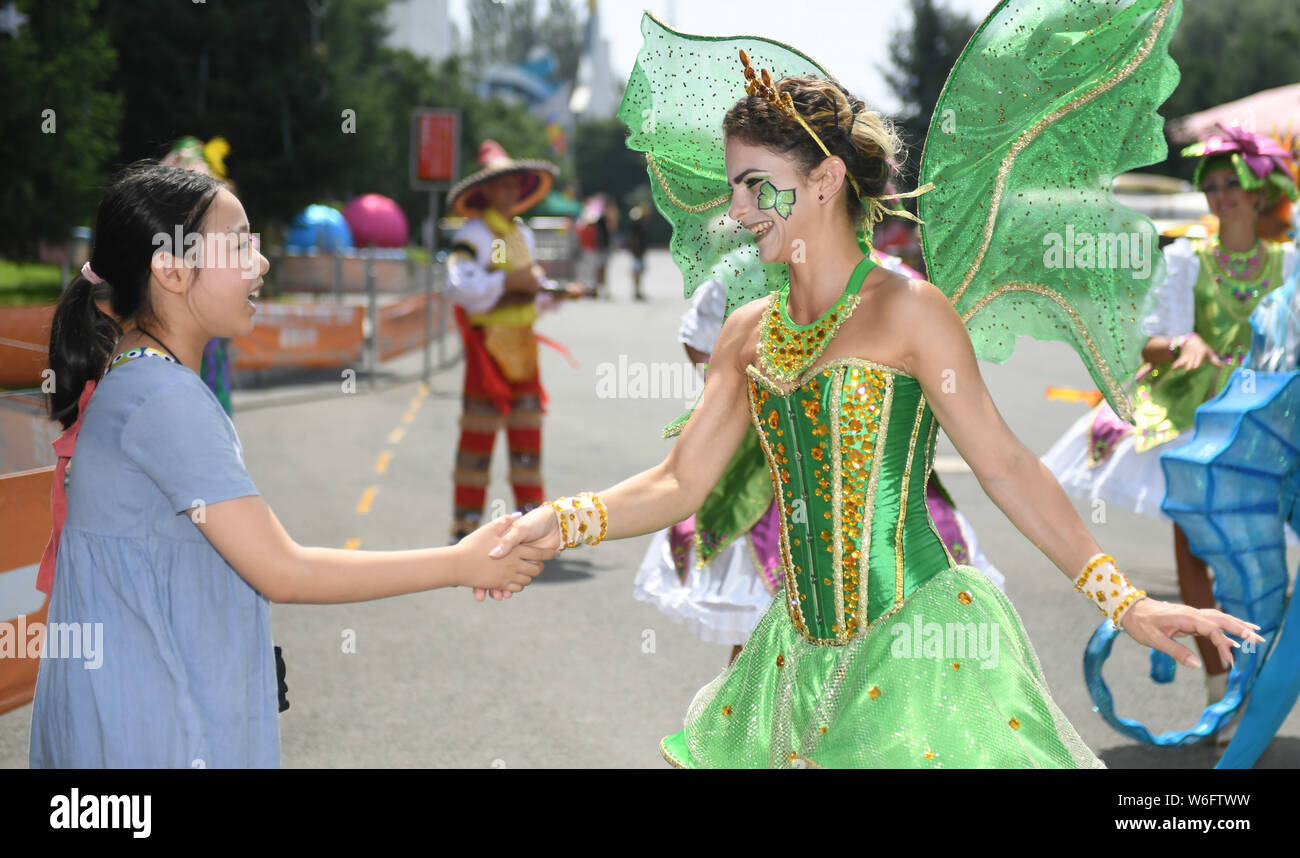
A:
[524,437]
[479,424]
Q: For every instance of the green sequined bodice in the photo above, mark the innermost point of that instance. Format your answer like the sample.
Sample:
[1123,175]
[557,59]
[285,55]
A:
[849,447]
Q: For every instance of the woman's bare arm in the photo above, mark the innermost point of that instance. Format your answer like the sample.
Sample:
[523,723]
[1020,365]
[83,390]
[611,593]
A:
[940,356]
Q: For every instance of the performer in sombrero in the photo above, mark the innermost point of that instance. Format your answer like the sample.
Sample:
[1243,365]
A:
[498,290]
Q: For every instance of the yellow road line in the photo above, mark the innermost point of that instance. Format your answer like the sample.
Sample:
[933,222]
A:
[424,389]
[367,498]
[408,418]
[384,458]
[396,435]
[352,544]
[415,403]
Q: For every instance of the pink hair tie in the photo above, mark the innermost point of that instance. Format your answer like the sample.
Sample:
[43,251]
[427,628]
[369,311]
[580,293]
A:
[90,275]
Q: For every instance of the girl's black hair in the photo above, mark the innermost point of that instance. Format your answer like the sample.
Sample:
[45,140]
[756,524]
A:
[144,202]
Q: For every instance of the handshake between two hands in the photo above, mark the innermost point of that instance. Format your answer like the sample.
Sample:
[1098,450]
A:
[503,556]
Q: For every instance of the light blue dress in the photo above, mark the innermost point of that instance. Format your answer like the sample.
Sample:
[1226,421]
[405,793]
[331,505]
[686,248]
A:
[182,672]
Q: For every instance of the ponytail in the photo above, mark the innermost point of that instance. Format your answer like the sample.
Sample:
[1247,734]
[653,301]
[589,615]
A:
[81,339]
[144,201]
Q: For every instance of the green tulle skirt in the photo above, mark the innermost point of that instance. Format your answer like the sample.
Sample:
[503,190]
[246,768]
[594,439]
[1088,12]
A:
[946,680]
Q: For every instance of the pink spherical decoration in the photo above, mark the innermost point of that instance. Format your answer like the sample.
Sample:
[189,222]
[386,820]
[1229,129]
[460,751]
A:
[375,219]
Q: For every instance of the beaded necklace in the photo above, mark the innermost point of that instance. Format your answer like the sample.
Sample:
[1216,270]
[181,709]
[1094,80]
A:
[138,352]
[786,350]
[1243,270]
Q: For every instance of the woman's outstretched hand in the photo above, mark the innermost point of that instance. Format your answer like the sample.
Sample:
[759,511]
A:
[1155,624]
[537,532]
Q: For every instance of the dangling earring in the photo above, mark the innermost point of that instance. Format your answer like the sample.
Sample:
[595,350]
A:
[820,197]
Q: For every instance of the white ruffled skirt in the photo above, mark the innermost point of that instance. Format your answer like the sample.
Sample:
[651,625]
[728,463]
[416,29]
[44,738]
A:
[722,601]
[1132,480]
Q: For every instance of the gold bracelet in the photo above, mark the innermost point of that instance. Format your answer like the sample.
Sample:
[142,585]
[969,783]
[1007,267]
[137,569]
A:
[578,518]
[1110,592]
[604,515]
[564,528]
[1096,561]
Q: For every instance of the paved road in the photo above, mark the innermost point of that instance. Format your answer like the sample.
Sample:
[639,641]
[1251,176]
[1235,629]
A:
[575,672]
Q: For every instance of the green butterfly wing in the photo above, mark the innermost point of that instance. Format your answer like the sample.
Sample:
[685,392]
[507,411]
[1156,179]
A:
[1049,102]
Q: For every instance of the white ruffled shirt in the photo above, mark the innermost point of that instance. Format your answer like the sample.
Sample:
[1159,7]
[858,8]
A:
[471,283]
[1172,305]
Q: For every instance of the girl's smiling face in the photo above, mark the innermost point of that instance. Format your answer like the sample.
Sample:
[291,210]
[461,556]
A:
[227,272]
[769,198]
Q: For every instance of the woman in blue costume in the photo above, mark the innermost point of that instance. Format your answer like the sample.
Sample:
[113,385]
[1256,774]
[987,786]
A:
[845,374]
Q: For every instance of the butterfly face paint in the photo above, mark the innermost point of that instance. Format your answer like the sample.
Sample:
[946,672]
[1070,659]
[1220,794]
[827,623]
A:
[770,198]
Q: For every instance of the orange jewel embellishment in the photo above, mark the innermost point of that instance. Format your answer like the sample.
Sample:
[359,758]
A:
[1015,724]
[780,660]
[873,692]
[726,710]
[823,730]
[929,755]
[965,597]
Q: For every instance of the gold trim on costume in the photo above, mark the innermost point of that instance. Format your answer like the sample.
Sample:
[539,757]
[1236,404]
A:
[929,452]
[902,501]
[696,209]
[1042,125]
[868,515]
[1117,395]
[1027,137]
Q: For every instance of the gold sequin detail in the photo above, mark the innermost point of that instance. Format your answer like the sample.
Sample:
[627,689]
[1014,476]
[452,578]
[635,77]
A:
[965,597]
[1015,724]
[929,755]
[726,710]
[784,353]
[873,692]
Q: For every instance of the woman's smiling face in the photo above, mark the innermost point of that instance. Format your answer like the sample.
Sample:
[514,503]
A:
[769,198]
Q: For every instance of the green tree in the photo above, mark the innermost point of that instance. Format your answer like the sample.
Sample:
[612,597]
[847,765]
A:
[605,164]
[922,56]
[257,74]
[59,122]
[1229,51]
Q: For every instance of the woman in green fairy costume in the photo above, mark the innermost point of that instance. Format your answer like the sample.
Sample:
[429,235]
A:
[846,372]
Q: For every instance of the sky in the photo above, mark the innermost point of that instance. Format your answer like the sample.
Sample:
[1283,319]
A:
[849,38]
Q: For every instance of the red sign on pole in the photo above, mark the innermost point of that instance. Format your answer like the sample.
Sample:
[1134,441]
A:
[435,144]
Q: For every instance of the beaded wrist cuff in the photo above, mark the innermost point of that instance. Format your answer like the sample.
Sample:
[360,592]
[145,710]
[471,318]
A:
[582,519]
[1107,588]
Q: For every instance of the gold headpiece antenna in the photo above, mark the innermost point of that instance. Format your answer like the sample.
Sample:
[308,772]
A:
[760,83]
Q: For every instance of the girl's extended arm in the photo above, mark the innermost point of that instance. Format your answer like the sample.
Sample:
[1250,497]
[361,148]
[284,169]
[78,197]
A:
[251,539]
[940,357]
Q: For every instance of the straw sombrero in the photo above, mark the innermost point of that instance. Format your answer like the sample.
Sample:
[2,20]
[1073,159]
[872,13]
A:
[536,178]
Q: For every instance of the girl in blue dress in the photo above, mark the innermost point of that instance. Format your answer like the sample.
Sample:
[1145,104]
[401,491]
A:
[166,546]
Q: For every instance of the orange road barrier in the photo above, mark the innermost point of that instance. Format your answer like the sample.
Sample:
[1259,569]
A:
[24,530]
